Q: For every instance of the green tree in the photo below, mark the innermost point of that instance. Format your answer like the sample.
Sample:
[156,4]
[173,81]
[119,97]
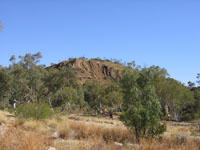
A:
[191,84]
[69,98]
[55,80]
[177,97]
[142,107]
[93,93]
[198,78]
[28,81]
[4,87]
[197,103]
[26,78]
[174,97]
[100,96]
[129,88]
[112,95]
[159,76]
[193,110]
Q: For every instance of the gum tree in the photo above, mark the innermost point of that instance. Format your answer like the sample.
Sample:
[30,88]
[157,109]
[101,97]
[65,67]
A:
[141,105]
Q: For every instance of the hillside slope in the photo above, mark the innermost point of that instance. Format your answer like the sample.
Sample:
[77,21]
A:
[94,69]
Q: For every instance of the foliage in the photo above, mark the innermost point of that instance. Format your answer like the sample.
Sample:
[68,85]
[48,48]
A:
[191,84]
[172,95]
[93,92]
[129,88]
[177,97]
[100,96]
[142,107]
[68,97]
[26,80]
[198,78]
[34,110]
[192,111]
[4,87]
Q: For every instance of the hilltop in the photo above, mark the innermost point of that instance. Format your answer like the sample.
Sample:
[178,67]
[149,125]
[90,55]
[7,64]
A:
[94,69]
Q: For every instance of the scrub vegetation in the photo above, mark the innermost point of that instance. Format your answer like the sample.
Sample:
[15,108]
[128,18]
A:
[124,107]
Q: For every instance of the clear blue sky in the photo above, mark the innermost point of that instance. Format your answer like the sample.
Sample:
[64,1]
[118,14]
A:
[151,32]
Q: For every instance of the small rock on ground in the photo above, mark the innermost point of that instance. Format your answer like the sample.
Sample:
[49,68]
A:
[51,148]
[119,144]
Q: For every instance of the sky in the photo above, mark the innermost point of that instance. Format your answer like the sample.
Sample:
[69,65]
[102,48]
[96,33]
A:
[150,32]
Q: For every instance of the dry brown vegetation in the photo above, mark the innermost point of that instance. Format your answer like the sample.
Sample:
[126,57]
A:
[87,133]
[81,130]
[17,139]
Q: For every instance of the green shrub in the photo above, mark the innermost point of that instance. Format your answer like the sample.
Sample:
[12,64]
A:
[145,123]
[34,110]
[4,103]
[142,107]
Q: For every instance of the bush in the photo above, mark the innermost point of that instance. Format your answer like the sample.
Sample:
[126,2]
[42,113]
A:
[34,110]
[144,122]
[4,103]
[142,106]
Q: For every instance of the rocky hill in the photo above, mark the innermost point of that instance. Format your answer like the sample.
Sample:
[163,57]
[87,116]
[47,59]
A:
[94,69]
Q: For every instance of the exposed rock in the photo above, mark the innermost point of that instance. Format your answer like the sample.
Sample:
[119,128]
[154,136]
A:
[119,144]
[55,135]
[51,148]
[94,69]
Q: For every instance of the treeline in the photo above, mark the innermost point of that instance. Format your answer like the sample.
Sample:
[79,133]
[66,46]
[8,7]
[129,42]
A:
[27,81]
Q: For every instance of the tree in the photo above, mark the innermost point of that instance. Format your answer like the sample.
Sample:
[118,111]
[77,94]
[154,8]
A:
[4,87]
[28,81]
[177,97]
[101,96]
[26,78]
[142,107]
[69,98]
[174,97]
[159,76]
[193,110]
[191,84]
[55,80]
[129,88]
[198,78]
[112,95]
[93,94]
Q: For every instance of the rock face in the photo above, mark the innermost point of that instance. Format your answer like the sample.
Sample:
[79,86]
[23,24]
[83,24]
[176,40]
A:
[94,69]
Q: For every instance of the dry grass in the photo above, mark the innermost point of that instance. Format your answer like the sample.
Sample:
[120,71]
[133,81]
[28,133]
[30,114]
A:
[97,145]
[17,139]
[97,120]
[64,128]
[81,130]
[179,130]
[85,145]
[175,143]
[4,116]
[97,137]
[34,125]
[87,133]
